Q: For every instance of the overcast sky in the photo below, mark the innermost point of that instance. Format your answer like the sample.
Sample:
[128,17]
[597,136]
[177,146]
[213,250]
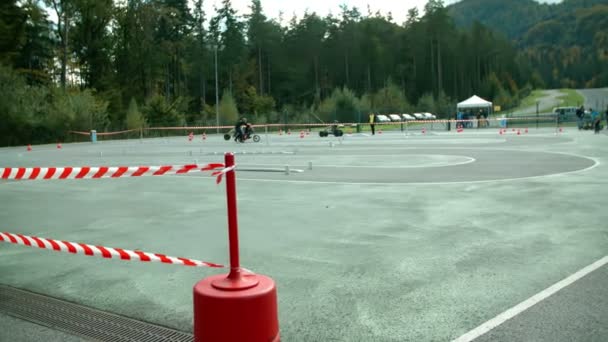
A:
[272,8]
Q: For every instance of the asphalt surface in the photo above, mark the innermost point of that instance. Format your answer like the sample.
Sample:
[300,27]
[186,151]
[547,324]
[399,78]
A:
[595,98]
[388,238]
[577,313]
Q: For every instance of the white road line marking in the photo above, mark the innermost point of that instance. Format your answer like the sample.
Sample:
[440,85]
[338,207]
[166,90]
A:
[528,303]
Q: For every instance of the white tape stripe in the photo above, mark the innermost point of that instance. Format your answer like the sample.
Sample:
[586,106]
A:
[30,240]
[47,243]
[27,173]
[79,249]
[57,173]
[13,173]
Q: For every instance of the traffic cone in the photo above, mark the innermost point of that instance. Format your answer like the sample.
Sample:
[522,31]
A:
[190,136]
[204,136]
[301,134]
[561,130]
[280,131]
[526,131]
[501,132]
[289,132]
[308,131]
[518,132]
[423,130]
[379,130]
[460,130]
[29,147]
[59,146]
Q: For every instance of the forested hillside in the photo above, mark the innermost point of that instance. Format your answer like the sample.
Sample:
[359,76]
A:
[567,43]
[110,65]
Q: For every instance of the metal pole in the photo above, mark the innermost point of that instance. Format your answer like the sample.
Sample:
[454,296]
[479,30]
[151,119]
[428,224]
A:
[217,97]
[537,103]
[233,230]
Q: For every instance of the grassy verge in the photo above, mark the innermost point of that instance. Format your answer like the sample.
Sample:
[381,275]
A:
[571,97]
[530,100]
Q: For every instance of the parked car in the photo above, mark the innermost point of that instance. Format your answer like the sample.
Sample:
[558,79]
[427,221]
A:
[565,113]
[382,118]
[419,116]
[407,117]
[395,117]
[430,116]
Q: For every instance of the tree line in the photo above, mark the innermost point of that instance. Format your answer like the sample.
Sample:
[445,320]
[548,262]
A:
[111,65]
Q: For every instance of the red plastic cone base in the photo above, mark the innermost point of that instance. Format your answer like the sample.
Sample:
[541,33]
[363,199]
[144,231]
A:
[236,315]
[29,147]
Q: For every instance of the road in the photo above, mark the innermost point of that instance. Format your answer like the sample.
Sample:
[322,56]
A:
[549,100]
[595,98]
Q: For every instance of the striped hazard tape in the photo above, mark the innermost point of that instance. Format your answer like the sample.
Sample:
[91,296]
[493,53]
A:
[86,172]
[100,251]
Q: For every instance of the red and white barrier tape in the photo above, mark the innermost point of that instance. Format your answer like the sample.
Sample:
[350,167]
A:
[86,172]
[100,251]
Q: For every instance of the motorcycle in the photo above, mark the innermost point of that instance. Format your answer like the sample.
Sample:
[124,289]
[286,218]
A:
[248,133]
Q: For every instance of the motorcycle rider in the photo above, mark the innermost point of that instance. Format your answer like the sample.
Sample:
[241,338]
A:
[239,134]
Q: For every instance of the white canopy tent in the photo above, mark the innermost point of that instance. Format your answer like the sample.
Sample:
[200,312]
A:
[475,102]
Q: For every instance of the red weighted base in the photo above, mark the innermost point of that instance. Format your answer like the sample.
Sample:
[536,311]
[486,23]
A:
[237,309]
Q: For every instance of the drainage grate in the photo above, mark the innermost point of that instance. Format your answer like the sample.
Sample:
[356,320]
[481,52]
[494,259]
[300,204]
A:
[81,320]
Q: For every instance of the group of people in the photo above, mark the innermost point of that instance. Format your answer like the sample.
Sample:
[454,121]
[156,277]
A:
[465,119]
[596,119]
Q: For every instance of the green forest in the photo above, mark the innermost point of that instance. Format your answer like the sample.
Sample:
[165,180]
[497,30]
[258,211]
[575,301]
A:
[113,65]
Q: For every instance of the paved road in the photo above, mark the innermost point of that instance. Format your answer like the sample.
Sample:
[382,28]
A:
[595,98]
[578,313]
[549,100]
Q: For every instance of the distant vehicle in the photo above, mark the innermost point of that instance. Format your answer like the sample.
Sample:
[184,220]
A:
[333,130]
[429,116]
[565,113]
[419,116]
[395,117]
[382,118]
[408,117]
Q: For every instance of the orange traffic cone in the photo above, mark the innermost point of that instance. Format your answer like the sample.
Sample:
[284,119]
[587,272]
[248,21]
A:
[29,147]
[59,146]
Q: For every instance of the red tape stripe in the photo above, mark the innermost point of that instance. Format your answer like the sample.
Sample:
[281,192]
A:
[121,171]
[104,252]
[164,259]
[71,247]
[55,245]
[25,241]
[123,255]
[83,172]
[39,242]
[162,170]
[6,173]
[66,173]
[35,173]
[102,171]
[141,171]
[11,237]
[20,173]
[50,172]
[87,249]
[142,256]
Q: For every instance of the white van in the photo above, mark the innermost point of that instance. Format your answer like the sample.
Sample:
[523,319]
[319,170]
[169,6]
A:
[565,113]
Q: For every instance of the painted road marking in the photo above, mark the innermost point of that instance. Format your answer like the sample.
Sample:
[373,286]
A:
[528,303]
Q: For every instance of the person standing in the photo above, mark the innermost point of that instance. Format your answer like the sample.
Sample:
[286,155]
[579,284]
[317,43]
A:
[595,120]
[580,114]
[372,123]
